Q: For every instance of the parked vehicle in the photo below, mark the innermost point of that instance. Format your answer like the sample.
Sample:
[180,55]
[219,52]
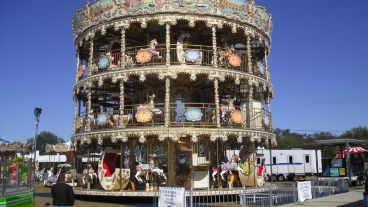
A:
[291,164]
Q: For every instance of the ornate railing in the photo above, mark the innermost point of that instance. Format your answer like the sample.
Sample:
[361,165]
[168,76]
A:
[192,114]
[200,55]
[181,115]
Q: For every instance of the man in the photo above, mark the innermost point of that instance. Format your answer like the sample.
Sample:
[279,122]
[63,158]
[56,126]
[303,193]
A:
[62,194]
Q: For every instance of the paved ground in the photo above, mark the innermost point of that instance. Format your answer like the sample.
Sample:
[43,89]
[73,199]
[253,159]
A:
[354,198]
[43,198]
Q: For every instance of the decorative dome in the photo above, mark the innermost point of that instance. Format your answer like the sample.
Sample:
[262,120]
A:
[104,11]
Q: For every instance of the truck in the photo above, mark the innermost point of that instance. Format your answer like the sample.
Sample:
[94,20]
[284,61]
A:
[290,164]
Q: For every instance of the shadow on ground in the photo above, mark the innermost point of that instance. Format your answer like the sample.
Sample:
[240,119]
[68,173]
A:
[354,204]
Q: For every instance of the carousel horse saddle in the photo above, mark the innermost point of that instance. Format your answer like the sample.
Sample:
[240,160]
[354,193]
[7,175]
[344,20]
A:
[229,166]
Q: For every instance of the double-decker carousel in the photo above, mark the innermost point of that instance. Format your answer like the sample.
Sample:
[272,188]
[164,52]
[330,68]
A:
[173,93]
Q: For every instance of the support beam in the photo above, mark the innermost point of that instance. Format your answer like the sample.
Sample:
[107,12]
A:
[122,48]
[168,44]
[77,67]
[271,160]
[266,71]
[250,117]
[121,105]
[171,163]
[249,54]
[214,46]
[90,58]
[167,102]
[217,102]
[89,111]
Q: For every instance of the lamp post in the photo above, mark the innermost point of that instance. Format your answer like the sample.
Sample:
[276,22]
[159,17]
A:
[37,114]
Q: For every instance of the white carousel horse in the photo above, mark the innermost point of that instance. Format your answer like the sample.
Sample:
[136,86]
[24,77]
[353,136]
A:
[153,50]
[180,47]
[150,106]
[144,169]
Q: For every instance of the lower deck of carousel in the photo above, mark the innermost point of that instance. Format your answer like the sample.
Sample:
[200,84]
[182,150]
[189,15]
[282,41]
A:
[80,192]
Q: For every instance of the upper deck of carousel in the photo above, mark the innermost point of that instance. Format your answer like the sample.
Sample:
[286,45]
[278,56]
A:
[100,14]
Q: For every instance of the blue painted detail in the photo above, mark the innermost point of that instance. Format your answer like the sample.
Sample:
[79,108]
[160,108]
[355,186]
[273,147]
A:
[296,163]
[103,62]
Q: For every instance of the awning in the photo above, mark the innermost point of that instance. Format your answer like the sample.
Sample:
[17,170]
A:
[4,140]
[352,151]
[340,142]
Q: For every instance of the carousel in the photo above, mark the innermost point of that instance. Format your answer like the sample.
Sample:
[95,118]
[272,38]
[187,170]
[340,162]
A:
[173,93]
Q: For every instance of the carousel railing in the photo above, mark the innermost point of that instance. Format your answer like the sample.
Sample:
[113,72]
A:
[98,121]
[193,114]
[233,116]
[186,54]
[144,115]
[181,114]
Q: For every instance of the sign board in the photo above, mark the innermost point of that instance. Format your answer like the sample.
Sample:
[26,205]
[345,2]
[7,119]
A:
[304,191]
[171,197]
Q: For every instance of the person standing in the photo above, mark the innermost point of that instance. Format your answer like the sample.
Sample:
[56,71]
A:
[62,194]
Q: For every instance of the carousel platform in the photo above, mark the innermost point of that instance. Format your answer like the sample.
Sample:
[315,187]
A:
[147,194]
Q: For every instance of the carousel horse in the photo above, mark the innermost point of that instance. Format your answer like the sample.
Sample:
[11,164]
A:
[128,61]
[153,50]
[146,55]
[70,175]
[226,110]
[51,179]
[145,169]
[180,47]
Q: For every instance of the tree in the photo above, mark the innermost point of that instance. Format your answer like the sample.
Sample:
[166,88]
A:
[356,133]
[44,138]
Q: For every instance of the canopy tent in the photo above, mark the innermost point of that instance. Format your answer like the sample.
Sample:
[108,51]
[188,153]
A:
[2,140]
[352,151]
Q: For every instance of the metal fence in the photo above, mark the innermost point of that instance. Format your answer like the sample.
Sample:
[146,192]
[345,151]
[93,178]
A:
[15,178]
[270,195]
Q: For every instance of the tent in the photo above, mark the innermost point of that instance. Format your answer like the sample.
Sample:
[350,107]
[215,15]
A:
[352,151]
[4,140]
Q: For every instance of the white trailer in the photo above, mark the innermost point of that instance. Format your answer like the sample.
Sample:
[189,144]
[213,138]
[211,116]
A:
[291,163]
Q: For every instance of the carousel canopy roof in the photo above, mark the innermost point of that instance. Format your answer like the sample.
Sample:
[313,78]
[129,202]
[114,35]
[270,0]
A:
[59,148]
[103,11]
[13,147]
[340,142]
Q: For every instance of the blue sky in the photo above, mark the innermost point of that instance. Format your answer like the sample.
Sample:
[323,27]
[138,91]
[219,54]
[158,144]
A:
[318,65]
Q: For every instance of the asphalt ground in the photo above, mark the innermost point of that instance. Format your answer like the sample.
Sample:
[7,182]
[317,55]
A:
[353,198]
[43,198]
